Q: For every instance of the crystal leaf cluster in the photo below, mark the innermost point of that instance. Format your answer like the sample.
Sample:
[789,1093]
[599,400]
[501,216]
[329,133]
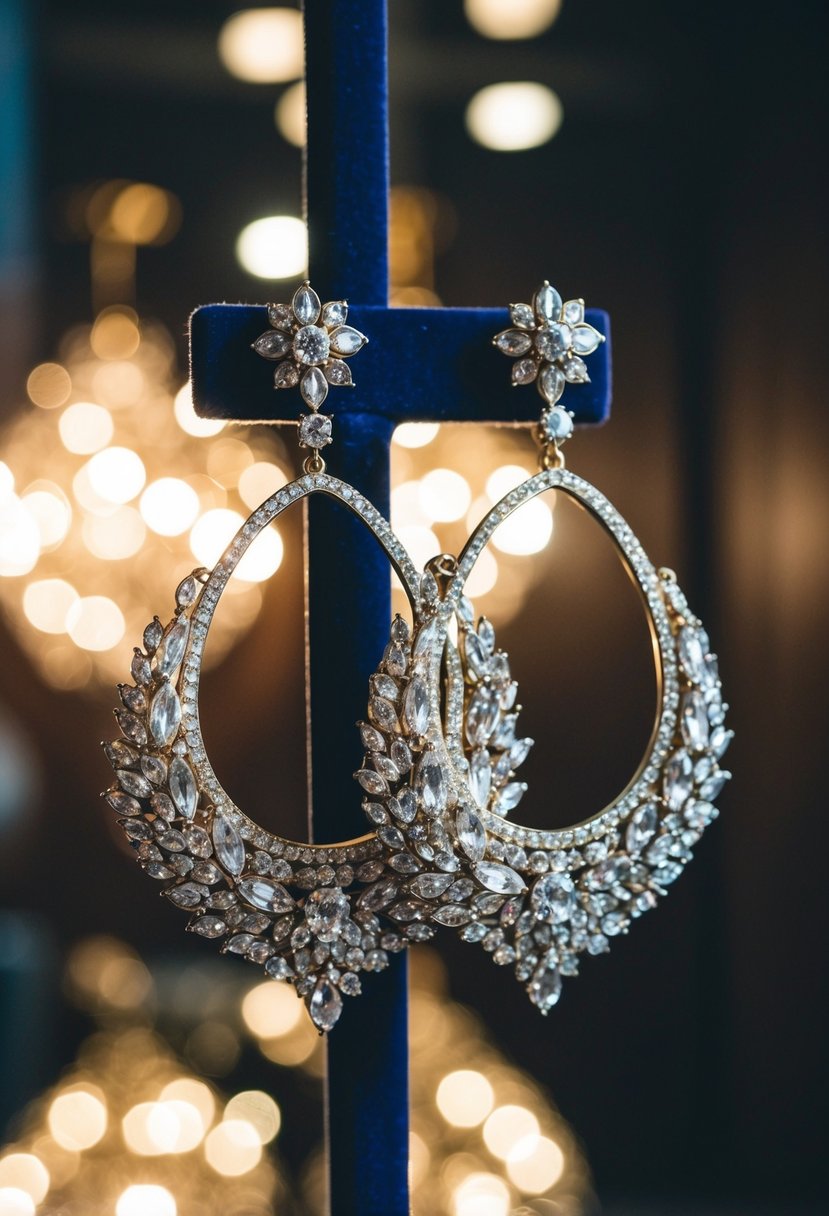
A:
[309,342]
[549,340]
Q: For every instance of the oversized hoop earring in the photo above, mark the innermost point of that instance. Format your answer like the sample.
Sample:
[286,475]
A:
[536,899]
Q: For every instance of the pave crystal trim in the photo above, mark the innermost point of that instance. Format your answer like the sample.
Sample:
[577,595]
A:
[307,913]
[538,899]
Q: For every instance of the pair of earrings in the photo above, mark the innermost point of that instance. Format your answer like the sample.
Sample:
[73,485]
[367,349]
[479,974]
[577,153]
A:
[441,740]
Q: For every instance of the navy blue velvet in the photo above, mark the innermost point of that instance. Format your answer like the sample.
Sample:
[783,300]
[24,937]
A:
[421,364]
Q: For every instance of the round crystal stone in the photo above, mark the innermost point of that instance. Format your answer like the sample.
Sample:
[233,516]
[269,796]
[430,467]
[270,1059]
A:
[311,345]
[557,424]
[315,430]
[554,340]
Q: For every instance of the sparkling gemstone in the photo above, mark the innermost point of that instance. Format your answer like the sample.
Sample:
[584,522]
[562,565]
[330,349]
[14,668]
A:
[475,654]
[575,370]
[383,713]
[431,783]
[514,342]
[171,648]
[326,910]
[265,894]
[430,886]
[186,592]
[452,915]
[499,878]
[314,429]
[482,715]
[165,714]
[134,783]
[573,312]
[585,339]
[554,340]
[551,383]
[557,424]
[547,303]
[372,740]
[545,988]
[311,345]
[229,846]
[208,926]
[123,804]
[509,797]
[425,639]
[334,313]
[480,776]
[643,823]
[694,718]
[187,894]
[522,315]
[273,344]
[519,751]
[712,787]
[720,740]
[372,782]
[306,304]
[524,371]
[183,788]
[280,316]
[553,898]
[314,389]
[325,1006]
[153,634]
[140,668]
[337,372]
[133,728]
[471,834]
[677,781]
[693,648]
[345,340]
[286,375]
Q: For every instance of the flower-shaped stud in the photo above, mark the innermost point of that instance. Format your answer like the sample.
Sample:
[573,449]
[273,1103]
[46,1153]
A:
[309,341]
[548,340]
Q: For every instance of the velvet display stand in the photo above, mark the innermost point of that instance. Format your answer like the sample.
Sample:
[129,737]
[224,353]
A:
[424,365]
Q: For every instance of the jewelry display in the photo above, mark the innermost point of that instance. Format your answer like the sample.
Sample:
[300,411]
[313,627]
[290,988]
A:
[538,899]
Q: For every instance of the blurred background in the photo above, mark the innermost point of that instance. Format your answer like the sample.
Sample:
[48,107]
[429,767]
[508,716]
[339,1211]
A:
[666,163]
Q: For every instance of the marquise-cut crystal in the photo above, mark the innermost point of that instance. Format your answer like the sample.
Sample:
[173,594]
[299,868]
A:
[134,783]
[345,340]
[480,776]
[452,915]
[208,926]
[273,344]
[140,668]
[314,389]
[471,834]
[694,720]
[509,797]
[547,303]
[430,886]
[677,780]
[165,714]
[585,339]
[265,894]
[431,783]
[499,878]
[325,1006]
[229,846]
[514,342]
[183,789]
[416,706]
[545,988]
[553,898]
[476,656]
[326,911]
[383,713]
[186,592]
[693,646]
[153,634]
[643,823]
[280,316]
[551,383]
[133,728]
[481,715]
[171,648]
[519,751]
[372,782]
[306,304]
[575,370]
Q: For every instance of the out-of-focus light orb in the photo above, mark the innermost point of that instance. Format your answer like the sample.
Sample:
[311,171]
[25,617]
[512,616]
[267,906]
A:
[526,531]
[85,428]
[25,1172]
[116,474]
[6,481]
[46,604]
[506,1127]
[116,536]
[481,1195]
[136,1132]
[212,533]
[19,538]
[115,334]
[271,1010]
[95,622]
[465,1098]
[444,495]
[49,507]
[535,1164]
[175,1126]
[259,1110]
[511,18]
[263,45]
[188,419]
[118,384]
[263,558]
[420,541]
[406,508]
[290,115]
[514,116]
[233,1148]
[274,247]
[169,506]
[503,479]
[483,576]
[144,214]
[194,1093]
[77,1119]
[146,1200]
[259,481]
[48,385]
[415,434]
[15,1202]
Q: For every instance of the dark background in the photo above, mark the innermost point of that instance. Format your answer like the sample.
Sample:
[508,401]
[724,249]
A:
[686,194]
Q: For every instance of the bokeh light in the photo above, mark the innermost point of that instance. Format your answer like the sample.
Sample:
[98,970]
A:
[271,1010]
[146,1200]
[290,115]
[16,1202]
[169,506]
[274,247]
[78,1119]
[233,1148]
[511,18]
[514,116]
[258,1109]
[263,45]
[482,1194]
[465,1098]
[25,1172]
[444,495]
[415,434]
[535,1164]
[95,622]
[46,603]
[85,427]
[506,1127]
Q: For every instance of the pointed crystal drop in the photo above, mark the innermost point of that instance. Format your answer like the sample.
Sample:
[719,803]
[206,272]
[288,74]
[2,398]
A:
[273,344]
[208,926]
[573,312]
[693,647]
[120,754]
[140,668]
[171,648]
[505,733]
[371,782]
[337,372]
[429,588]
[133,698]
[183,789]
[394,659]
[694,721]
[280,316]
[431,784]
[452,915]
[286,375]
[476,657]
[585,339]
[123,804]
[551,383]
[430,886]
[676,785]
[519,751]
[229,846]
[522,315]
[545,988]
[575,370]
[509,797]
[524,371]
[345,340]
[335,313]
[265,894]
[499,878]
[306,304]
[371,739]
[643,823]
[314,388]
[486,634]
[404,807]
[186,592]
[400,631]
[152,634]
[383,685]
[416,706]
[133,728]
[513,342]
[134,783]
[553,898]
[325,1006]
[480,776]
[401,755]
[425,638]
[383,713]
[481,715]
[165,715]
[720,740]
[471,834]
[547,303]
